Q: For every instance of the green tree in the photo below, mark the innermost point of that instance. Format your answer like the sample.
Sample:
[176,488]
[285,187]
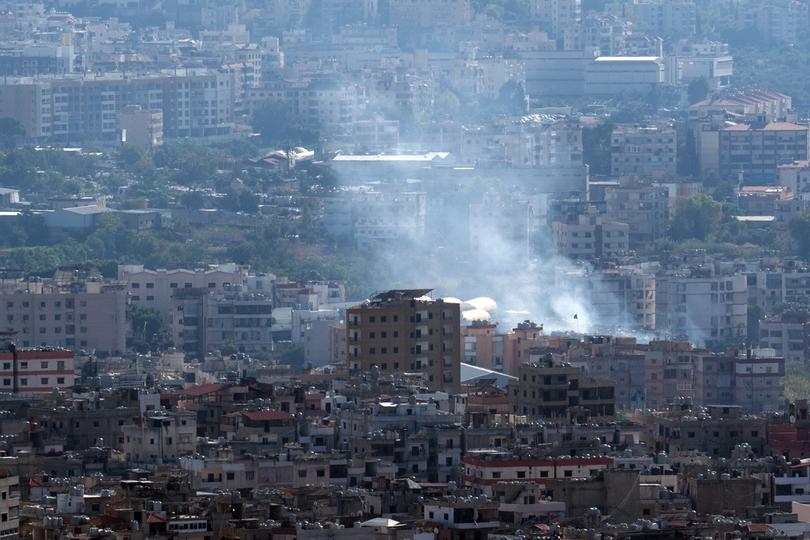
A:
[800,232]
[447,104]
[697,90]
[277,122]
[11,131]
[698,217]
[596,147]
[149,332]
[512,98]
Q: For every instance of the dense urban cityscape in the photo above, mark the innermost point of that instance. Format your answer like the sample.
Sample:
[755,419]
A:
[404,269]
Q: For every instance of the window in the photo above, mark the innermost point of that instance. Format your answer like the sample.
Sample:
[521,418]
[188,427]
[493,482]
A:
[43,365]
[23,382]
[302,474]
[43,381]
[230,475]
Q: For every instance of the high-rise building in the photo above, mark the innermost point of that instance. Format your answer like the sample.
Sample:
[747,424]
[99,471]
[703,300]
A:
[80,316]
[752,152]
[403,331]
[9,499]
[643,150]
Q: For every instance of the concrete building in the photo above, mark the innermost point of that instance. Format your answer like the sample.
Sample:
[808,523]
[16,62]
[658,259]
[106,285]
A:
[752,153]
[427,14]
[561,19]
[84,316]
[794,176]
[484,469]
[9,196]
[375,135]
[708,60]
[205,321]
[759,383]
[592,236]
[644,208]
[36,371]
[141,128]
[611,75]
[10,495]
[194,103]
[79,217]
[559,392]
[706,308]
[643,151]
[662,17]
[371,219]
[403,331]
[154,288]
[788,334]
[159,437]
[624,296]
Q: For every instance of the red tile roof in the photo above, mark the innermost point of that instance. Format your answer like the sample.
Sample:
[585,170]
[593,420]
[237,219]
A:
[154,518]
[757,527]
[202,390]
[260,416]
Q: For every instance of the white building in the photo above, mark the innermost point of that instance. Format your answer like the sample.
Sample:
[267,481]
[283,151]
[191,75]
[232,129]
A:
[369,218]
[609,75]
[702,306]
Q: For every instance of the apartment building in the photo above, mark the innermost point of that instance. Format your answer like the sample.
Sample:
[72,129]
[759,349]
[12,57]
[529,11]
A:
[194,103]
[403,331]
[643,150]
[561,19]
[662,17]
[10,495]
[484,469]
[155,288]
[705,307]
[591,236]
[772,290]
[485,347]
[371,219]
[141,128]
[80,316]
[752,152]
[36,371]
[555,391]
[427,14]
[788,334]
[204,321]
[625,297]
[759,382]
[795,177]
[159,437]
[716,431]
[643,207]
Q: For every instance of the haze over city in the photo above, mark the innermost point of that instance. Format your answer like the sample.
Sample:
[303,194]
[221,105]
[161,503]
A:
[404,269]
